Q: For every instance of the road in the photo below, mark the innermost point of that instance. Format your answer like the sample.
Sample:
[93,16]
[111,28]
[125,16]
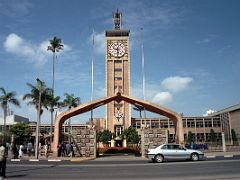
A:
[120,168]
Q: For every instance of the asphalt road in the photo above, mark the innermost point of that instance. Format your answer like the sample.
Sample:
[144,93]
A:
[120,168]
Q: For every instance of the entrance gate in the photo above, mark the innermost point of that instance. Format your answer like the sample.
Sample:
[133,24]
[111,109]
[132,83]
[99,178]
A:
[118,98]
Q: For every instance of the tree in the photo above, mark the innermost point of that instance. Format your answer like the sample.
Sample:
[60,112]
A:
[213,137]
[106,136]
[55,46]
[38,97]
[190,137]
[140,109]
[39,90]
[7,98]
[234,137]
[131,135]
[70,101]
[21,132]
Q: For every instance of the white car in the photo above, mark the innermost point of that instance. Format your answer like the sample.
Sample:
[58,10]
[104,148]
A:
[173,152]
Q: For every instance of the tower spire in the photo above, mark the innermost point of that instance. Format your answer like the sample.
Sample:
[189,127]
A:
[117,20]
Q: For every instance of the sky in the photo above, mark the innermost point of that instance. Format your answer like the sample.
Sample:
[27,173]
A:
[191,51]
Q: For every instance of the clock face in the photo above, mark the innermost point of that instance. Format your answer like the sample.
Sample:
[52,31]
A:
[119,115]
[117,49]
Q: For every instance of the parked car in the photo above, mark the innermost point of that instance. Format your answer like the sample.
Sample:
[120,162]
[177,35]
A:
[173,152]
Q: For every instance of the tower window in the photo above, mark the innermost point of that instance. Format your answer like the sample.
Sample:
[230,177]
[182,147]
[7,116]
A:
[118,78]
[118,61]
[118,69]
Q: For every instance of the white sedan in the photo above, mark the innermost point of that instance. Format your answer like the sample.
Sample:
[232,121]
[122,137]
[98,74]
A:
[173,152]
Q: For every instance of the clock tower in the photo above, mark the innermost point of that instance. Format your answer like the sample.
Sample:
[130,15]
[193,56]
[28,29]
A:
[118,115]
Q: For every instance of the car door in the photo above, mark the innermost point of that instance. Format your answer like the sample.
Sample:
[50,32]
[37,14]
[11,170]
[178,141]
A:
[169,152]
[181,152]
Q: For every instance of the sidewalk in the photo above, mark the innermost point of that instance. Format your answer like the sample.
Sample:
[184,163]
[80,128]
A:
[225,154]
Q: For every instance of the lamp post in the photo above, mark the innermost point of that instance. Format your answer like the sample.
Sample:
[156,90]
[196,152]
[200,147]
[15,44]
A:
[38,122]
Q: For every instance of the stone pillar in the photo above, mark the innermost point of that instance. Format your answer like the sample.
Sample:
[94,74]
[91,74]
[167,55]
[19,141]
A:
[166,134]
[142,143]
[223,142]
[179,133]
[55,139]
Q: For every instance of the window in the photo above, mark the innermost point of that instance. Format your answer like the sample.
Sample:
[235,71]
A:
[118,78]
[118,61]
[118,69]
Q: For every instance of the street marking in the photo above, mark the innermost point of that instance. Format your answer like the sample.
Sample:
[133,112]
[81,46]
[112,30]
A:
[34,160]
[14,160]
[54,160]
[211,156]
[226,156]
[121,165]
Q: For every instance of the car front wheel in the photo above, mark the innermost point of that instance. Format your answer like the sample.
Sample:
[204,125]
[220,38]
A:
[194,157]
[158,158]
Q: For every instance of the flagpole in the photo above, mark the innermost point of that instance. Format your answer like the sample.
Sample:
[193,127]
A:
[143,72]
[92,76]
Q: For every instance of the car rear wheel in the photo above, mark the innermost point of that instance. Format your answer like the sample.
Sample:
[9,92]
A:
[194,157]
[158,158]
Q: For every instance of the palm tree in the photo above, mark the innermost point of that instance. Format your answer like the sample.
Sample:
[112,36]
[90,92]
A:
[70,101]
[53,103]
[5,99]
[38,97]
[55,46]
[39,90]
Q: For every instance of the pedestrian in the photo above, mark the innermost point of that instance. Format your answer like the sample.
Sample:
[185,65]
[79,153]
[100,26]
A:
[72,150]
[39,149]
[46,150]
[68,149]
[20,152]
[15,151]
[29,148]
[3,160]
[63,149]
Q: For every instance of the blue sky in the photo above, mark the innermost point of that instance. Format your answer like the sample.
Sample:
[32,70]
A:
[192,50]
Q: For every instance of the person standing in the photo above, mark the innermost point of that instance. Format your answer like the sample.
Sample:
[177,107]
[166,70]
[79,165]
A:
[3,160]
[46,150]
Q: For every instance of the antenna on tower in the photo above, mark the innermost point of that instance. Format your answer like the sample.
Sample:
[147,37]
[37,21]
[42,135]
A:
[117,20]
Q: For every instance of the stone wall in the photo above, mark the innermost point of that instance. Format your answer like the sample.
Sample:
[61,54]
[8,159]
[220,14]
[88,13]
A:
[152,138]
[84,142]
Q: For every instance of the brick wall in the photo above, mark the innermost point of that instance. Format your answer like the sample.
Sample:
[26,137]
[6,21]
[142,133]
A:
[152,138]
[84,142]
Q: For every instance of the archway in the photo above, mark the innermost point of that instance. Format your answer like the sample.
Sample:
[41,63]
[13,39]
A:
[118,97]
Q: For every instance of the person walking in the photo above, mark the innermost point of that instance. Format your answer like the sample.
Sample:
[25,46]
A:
[3,160]
[20,153]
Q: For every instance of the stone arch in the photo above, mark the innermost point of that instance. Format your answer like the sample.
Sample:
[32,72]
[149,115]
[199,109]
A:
[118,97]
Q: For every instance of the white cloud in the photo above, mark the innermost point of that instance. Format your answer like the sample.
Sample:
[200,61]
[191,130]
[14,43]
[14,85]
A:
[176,83]
[99,42]
[33,53]
[162,98]
[209,112]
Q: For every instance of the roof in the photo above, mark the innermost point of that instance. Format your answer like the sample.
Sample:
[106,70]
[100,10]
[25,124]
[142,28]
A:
[229,109]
